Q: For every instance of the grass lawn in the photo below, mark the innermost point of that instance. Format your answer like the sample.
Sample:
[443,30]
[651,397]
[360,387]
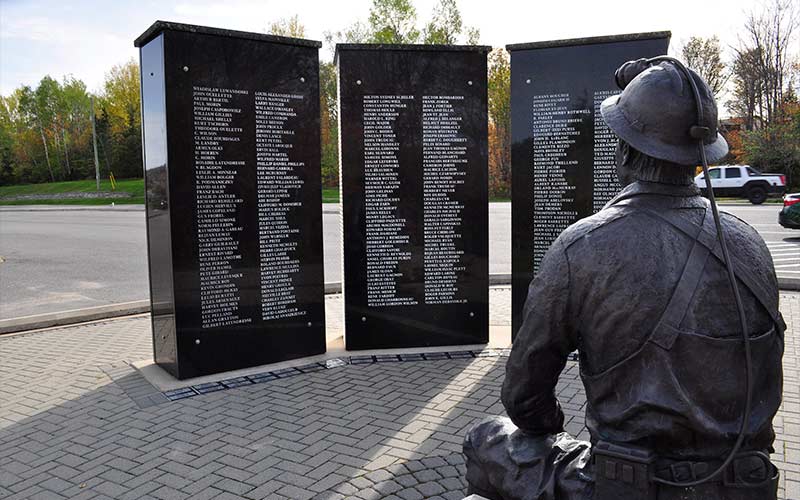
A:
[330,195]
[134,187]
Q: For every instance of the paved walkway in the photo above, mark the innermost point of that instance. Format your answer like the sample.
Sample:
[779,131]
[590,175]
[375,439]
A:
[72,424]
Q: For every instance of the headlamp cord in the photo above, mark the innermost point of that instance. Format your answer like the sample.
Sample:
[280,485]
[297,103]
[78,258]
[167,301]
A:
[699,132]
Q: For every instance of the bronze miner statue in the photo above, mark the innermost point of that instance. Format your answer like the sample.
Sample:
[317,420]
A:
[680,401]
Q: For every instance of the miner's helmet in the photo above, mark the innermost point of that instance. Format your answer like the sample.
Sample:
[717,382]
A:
[656,111]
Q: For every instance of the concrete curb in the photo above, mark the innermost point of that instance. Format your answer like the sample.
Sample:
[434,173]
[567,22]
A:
[788,284]
[38,321]
[499,279]
[775,203]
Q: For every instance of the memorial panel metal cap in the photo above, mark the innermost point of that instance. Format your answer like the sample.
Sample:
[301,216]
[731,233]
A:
[160,26]
[656,110]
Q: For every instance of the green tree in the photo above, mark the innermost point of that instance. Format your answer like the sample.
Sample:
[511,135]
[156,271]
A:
[446,26]
[120,102]
[473,35]
[704,55]
[776,146]
[45,131]
[747,88]
[120,96]
[27,146]
[329,124]
[126,152]
[7,159]
[73,126]
[393,21]
[36,116]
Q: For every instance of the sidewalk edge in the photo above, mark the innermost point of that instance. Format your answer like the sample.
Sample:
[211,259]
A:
[61,318]
[788,284]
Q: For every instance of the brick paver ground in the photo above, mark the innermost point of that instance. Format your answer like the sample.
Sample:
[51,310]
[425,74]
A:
[70,426]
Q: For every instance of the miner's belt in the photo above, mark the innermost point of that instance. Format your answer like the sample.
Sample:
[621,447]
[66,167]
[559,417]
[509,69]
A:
[688,471]
[748,469]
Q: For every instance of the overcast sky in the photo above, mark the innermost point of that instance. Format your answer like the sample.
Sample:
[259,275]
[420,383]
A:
[86,38]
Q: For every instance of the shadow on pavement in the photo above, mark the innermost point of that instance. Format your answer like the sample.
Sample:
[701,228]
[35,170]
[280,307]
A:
[67,430]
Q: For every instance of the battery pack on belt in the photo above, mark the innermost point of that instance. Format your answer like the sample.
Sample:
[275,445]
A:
[623,472]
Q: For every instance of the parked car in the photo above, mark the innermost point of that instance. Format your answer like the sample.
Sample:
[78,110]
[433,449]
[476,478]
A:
[789,217]
[743,181]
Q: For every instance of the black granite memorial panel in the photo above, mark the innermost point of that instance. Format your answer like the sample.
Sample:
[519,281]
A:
[414,192]
[562,153]
[232,173]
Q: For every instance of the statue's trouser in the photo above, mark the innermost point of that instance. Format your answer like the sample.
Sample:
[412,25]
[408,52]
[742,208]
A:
[503,463]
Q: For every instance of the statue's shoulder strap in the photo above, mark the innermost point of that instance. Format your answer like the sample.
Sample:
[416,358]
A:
[706,236]
[667,328]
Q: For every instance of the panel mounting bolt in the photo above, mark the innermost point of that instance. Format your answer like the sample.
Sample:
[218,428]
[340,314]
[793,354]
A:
[302,79]
[197,341]
[469,83]
[471,314]
[186,68]
[309,323]
[528,81]
[363,319]
[358,82]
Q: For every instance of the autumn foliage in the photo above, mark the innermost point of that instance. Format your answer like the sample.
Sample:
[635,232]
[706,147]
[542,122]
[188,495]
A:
[499,124]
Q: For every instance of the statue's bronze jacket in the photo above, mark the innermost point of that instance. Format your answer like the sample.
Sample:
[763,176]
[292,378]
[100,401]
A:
[641,291]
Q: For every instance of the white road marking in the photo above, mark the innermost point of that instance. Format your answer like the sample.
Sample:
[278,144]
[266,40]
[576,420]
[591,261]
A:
[785,255]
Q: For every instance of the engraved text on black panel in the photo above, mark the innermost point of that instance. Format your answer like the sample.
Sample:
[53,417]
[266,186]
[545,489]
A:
[415,197]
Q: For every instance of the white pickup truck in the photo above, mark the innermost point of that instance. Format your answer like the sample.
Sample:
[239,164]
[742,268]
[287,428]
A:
[743,181]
